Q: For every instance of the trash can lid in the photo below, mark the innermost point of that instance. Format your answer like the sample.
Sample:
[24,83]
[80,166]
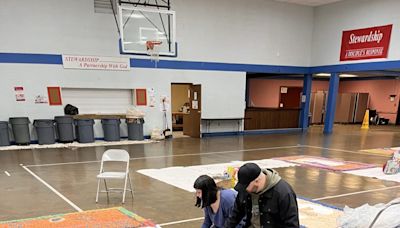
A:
[64,119]
[110,121]
[3,124]
[19,120]
[84,121]
[43,120]
[43,123]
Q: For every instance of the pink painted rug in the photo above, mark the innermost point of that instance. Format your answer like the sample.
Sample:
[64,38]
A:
[325,163]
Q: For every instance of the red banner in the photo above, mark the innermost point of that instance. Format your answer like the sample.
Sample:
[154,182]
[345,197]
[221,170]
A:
[367,43]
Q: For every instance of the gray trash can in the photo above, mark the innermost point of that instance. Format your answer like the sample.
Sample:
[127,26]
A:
[111,129]
[4,137]
[45,131]
[135,129]
[20,129]
[65,128]
[84,130]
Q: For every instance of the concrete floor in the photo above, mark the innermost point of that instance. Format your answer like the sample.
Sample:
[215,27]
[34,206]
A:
[73,172]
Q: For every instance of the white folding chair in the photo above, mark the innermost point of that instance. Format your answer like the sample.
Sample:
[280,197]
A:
[114,155]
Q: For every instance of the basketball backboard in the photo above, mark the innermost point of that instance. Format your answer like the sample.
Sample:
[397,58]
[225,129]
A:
[139,25]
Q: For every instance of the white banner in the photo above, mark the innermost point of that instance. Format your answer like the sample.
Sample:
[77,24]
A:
[96,62]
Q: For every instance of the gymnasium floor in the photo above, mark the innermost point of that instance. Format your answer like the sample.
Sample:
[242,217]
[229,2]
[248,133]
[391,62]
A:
[72,173]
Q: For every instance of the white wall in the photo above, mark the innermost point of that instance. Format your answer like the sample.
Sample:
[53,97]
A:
[332,19]
[251,31]
[232,31]
[216,101]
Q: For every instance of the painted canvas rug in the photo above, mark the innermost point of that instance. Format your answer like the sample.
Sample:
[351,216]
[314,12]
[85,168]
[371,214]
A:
[375,173]
[388,152]
[111,217]
[325,163]
[312,214]
[188,174]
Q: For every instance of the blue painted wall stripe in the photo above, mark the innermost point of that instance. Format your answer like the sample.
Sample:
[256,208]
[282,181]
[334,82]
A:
[192,65]
[162,64]
[384,65]
[30,58]
[254,132]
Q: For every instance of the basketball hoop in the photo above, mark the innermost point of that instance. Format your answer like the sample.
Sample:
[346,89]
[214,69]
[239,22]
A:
[153,51]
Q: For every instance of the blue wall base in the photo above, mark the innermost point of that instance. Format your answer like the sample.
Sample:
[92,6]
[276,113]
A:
[254,132]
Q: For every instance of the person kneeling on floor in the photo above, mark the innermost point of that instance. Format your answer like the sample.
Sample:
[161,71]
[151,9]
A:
[217,203]
[264,198]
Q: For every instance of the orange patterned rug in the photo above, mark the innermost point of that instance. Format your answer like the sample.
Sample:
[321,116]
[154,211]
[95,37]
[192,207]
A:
[110,217]
[388,152]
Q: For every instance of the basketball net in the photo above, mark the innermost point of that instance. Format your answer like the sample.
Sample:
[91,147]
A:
[153,51]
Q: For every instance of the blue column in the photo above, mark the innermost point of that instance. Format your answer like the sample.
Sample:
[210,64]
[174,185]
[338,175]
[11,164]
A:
[331,104]
[305,106]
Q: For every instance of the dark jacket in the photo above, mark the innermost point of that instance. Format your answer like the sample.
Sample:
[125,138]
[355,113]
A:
[278,208]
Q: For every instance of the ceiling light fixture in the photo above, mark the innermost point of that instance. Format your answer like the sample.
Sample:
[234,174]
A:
[323,75]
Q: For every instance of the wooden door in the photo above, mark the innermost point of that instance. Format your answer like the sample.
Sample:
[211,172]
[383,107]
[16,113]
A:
[318,107]
[361,107]
[191,122]
[290,97]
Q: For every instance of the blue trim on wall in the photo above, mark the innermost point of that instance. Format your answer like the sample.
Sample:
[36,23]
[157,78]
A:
[162,64]
[384,65]
[30,58]
[253,132]
[331,104]
[227,133]
[273,131]
[193,65]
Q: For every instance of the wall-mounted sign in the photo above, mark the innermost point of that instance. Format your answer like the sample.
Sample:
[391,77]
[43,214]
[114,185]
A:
[96,62]
[54,95]
[141,97]
[152,95]
[40,99]
[19,93]
[367,43]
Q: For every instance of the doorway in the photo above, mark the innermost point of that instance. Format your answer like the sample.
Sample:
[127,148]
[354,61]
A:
[186,110]
[290,97]
[398,114]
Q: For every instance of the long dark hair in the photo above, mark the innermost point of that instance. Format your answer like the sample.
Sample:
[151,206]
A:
[209,191]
